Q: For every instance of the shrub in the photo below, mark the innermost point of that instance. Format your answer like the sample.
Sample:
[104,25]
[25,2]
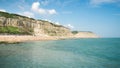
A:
[74,32]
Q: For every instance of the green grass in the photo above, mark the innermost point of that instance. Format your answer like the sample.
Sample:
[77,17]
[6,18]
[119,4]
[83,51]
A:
[12,30]
[9,29]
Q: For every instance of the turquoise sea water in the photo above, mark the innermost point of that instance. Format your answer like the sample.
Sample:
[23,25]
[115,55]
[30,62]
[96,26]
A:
[74,53]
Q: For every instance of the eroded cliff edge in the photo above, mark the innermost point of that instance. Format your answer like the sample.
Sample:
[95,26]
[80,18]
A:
[13,24]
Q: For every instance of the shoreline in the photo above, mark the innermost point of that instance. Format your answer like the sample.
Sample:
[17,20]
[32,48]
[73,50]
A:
[25,38]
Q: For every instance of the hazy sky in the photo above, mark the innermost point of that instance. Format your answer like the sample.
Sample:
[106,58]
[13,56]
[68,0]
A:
[99,16]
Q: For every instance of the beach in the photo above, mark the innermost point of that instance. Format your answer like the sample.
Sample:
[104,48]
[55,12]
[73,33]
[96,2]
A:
[24,38]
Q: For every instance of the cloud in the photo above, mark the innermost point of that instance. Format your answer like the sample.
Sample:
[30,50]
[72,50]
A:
[35,7]
[98,2]
[69,26]
[27,13]
[57,23]
[52,11]
[47,20]
[3,10]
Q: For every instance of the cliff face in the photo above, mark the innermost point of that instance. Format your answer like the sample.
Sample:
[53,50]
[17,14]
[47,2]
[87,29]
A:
[86,34]
[24,25]
[32,26]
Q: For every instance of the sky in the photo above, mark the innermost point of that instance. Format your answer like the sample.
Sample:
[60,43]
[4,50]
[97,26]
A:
[99,16]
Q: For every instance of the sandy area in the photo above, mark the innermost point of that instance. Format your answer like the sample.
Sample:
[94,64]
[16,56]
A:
[23,38]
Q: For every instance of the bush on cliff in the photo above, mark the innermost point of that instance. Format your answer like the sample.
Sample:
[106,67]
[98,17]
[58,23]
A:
[11,30]
[74,32]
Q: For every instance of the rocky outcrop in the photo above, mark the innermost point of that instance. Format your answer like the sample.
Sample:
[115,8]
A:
[32,26]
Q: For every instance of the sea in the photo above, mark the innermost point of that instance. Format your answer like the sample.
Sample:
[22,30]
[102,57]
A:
[70,53]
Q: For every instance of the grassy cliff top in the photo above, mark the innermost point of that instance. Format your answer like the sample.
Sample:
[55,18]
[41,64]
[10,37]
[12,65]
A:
[11,15]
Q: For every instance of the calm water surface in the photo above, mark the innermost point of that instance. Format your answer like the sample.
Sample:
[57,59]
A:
[75,53]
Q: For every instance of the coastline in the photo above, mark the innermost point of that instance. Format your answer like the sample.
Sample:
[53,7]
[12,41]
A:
[25,38]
